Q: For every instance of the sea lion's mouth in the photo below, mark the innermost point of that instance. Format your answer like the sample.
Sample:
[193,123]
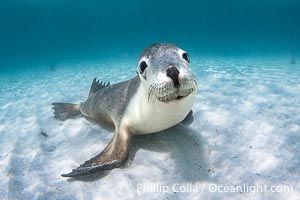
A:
[165,92]
[168,100]
[179,97]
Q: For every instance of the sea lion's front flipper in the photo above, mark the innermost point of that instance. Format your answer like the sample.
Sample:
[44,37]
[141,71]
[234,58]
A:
[188,119]
[113,156]
[96,86]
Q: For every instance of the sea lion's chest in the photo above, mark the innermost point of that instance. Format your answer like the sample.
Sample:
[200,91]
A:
[145,117]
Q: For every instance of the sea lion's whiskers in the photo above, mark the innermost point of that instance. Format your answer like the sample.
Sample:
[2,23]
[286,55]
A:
[194,78]
[150,91]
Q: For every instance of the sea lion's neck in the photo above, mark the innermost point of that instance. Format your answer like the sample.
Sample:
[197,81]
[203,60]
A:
[146,116]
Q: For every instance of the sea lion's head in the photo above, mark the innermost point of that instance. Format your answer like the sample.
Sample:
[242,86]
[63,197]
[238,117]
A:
[164,71]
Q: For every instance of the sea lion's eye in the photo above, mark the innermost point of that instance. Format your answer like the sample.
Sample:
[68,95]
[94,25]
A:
[143,66]
[185,56]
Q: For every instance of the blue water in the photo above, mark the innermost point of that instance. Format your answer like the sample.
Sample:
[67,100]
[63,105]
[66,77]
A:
[245,55]
[50,32]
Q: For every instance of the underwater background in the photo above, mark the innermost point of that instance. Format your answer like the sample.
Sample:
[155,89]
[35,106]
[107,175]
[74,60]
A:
[246,129]
[36,32]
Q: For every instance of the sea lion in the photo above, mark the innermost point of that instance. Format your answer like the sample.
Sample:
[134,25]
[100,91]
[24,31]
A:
[159,97]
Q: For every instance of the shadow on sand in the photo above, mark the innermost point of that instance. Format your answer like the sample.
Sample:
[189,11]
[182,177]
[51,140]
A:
[185,146]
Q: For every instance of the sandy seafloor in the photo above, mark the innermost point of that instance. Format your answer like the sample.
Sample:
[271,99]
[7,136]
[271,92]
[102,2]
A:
[246,131]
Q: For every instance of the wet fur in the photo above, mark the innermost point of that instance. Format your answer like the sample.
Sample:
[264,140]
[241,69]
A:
[141,105]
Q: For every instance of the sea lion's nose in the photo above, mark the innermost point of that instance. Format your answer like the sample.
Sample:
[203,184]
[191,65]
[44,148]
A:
[173,73]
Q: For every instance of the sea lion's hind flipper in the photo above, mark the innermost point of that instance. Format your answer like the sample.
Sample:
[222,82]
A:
[113,156]
[96,86]
[64,111]
[188,119]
